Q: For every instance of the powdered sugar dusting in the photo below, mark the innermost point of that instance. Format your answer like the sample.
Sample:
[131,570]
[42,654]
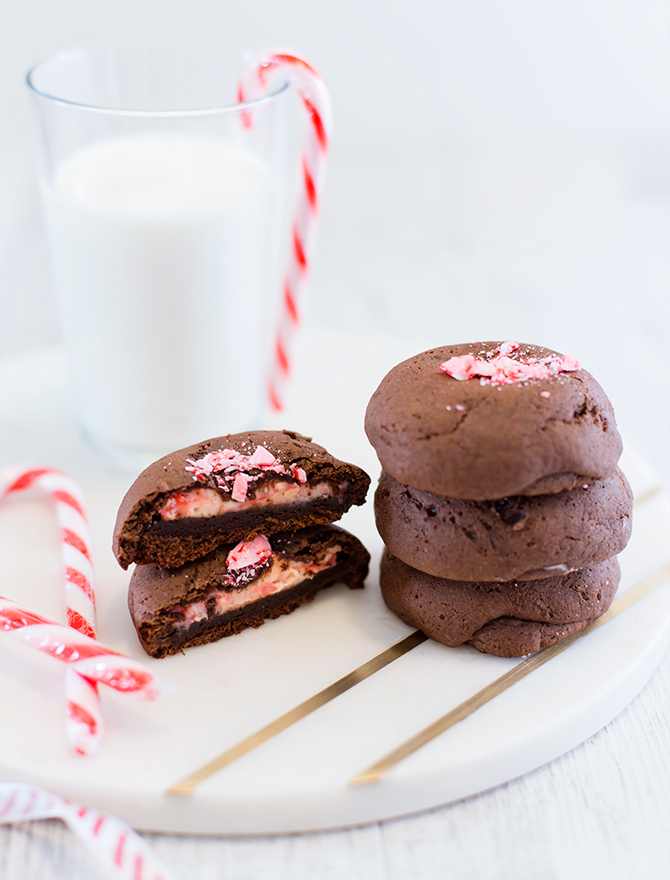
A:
[501,369]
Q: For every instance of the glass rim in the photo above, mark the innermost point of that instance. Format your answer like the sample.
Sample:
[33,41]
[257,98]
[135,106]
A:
[205,111]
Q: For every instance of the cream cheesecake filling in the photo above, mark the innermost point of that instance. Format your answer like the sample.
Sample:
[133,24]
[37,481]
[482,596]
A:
[203,501]
[536,574]
[283,574]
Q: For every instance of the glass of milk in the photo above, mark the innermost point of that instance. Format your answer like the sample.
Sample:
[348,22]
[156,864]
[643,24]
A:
[163,212]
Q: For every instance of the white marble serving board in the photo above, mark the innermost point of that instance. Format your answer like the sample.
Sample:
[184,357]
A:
[223,692]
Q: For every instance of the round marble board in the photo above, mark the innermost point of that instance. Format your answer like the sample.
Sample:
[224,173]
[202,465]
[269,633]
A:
[221,693]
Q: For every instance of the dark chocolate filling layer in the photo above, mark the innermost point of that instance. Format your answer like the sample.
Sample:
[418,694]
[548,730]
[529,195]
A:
[171,543]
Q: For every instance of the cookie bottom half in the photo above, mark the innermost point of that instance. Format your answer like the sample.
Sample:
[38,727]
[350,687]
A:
[240,587]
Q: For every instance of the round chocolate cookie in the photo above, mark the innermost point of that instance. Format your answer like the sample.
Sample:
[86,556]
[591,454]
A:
[505,431]
[522,537]
[230,489]
[454,612]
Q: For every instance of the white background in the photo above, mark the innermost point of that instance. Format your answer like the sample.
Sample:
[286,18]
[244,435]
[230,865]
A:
[499,170]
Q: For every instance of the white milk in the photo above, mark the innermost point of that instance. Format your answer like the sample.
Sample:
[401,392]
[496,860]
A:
[160,248]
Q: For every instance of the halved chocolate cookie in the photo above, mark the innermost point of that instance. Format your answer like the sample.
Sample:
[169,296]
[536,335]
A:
[230,489]
[240,586]
[454,612]
[522,537]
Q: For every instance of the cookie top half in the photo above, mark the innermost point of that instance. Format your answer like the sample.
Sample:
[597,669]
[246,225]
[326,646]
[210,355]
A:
[230,489]
[486,420]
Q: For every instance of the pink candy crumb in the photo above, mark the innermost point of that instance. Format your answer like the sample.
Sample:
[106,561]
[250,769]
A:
[298,474]
[504,370]
[262,457]
[240,486]
[228,466]
[248,553]
[460,368]
[508,347]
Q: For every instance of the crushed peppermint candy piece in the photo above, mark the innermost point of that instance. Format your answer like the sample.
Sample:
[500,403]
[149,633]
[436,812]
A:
[568,364]
[225,459]
[504,370]
[233,471]
[263,458]
[298,473]
[229,461]
[545,394]
[508,347]
[240,487]
[459,407]
[463,367]
[248,553]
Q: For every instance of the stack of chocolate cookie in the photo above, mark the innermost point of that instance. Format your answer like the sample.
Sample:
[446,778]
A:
[233,531]
[500,502]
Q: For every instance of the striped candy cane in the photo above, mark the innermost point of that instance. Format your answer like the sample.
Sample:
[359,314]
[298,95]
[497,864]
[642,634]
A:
[120,851]
[84,714]
[252,84]
[82,653]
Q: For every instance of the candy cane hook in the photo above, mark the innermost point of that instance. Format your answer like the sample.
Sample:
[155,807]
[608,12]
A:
[312,90]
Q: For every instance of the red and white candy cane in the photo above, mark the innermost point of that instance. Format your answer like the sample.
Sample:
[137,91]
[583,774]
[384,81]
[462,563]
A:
[312,90]
[83,654]
[84,715]
[121,852]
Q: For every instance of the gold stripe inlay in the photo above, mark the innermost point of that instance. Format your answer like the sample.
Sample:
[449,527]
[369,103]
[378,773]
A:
[186,786]
[375,771]
[645,496]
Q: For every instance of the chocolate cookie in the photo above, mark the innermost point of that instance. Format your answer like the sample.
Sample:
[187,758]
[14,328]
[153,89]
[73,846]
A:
[242,586]
[508,637]
[520,537]
[454,612]
[488,420]
[230,489]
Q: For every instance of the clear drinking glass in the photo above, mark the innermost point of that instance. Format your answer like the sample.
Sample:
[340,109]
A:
[163,209]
